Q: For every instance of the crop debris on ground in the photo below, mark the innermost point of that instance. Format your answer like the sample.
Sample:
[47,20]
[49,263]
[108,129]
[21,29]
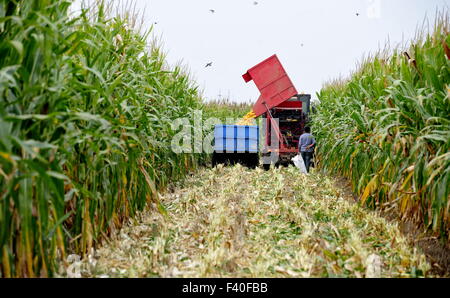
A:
[237,222]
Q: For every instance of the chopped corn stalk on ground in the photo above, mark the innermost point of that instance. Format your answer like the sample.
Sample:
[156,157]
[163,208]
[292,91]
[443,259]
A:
[278,223]
[248,119]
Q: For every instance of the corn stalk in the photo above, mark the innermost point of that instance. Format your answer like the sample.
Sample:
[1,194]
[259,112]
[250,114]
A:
[85,109]
[387,129]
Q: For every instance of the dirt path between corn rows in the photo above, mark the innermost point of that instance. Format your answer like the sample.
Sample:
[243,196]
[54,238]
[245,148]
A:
[236,222]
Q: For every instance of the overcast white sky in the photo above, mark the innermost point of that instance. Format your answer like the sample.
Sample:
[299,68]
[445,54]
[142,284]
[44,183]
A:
[241,34]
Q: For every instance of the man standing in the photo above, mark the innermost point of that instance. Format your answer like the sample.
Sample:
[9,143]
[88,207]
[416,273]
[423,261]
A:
[306,147]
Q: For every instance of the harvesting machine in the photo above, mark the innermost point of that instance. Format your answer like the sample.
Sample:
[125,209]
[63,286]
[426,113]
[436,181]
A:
[284,112]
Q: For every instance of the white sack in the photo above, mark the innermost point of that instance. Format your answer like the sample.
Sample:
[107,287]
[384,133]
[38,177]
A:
[300,164]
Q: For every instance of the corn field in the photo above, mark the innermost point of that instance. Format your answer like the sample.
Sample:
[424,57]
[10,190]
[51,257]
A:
[85,128]
[87,104]
[223,109]
[387,129]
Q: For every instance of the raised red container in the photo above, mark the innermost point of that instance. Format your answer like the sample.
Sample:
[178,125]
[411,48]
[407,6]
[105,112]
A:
[273,82]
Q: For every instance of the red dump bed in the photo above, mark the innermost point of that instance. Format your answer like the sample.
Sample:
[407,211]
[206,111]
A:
[273,83]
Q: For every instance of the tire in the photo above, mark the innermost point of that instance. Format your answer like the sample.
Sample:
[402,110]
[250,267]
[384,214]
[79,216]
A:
[253,161]
[215,160]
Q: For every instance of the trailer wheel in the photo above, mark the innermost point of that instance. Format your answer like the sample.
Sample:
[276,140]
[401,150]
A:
[253,161]
[256,161]
[215,160]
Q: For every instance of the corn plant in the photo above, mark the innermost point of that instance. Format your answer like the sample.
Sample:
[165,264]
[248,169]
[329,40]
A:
[224,108]
[387,128]
[86,108]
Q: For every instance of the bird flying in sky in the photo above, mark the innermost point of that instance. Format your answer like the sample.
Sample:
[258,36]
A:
[212,10]
[208,65]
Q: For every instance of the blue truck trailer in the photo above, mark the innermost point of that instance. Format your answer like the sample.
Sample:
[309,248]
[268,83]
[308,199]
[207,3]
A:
[236,144]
